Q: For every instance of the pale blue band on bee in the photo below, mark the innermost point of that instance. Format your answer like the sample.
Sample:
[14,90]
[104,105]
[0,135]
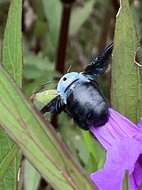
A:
[67,81]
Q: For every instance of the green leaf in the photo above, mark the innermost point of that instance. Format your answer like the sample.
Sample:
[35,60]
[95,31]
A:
[38,71]
[95,149]
[38,140]
[126,83]
[125,181]
[35,66]
[9,164]
[12,61]
[137,18]
[8,159]
[71,135]
[80,15]
[31,177]
[52,9]
[12,44]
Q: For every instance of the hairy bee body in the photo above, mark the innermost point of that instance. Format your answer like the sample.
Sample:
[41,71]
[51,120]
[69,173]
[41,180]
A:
[86,104]
[79,94]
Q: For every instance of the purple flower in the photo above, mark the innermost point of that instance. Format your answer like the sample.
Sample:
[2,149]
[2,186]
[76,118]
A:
[123,143]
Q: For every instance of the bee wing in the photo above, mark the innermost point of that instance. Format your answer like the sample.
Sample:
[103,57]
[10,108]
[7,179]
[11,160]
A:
[54,106]
[99,64]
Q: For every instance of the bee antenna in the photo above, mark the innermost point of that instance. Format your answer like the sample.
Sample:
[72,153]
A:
[47,83]
[42,86]
[69,68]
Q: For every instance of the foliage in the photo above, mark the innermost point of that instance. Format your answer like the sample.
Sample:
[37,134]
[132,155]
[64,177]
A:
[127,91]
[92,26]
[12,62]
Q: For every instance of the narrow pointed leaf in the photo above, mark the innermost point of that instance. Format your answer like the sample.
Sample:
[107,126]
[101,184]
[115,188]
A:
[125,182]
[12,61]
[31,177]
[12,44]
[126,83]
[6,162]
[80,15]
[95,149]
[38,140]
[52,9]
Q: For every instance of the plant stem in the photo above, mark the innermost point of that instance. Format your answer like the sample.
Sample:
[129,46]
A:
[62,45]
[63,37]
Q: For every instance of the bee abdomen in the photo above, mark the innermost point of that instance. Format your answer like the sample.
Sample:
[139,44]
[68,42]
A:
[87,106]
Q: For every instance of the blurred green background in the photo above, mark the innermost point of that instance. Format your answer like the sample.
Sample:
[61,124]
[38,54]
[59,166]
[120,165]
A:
[92,24]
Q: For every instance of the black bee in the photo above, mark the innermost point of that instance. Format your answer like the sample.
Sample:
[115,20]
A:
[79,94]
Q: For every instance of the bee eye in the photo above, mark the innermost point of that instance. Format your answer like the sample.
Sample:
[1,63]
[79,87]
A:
[64,79]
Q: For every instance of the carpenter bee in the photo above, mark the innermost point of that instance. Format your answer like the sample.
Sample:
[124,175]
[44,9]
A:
[80,96]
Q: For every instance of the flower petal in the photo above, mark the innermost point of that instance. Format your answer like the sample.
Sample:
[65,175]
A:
[140,123]
[117,126]
[136,176]
[122,156]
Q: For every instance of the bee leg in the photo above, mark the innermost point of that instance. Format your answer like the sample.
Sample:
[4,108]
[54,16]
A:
[99,64]
[54,106]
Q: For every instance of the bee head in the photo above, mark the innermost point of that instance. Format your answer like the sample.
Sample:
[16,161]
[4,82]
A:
[66,81]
